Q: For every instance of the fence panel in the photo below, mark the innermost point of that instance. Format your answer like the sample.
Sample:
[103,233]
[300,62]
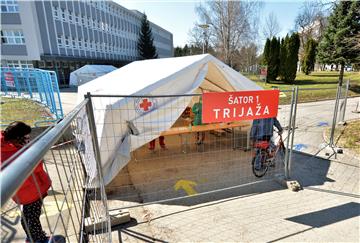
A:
[74,207]
[175,166]
[38,89]
[315,119]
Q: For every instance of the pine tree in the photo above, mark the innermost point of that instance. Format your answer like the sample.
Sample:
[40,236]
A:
[266,52]
[283,56]
[186,50]
[292,57]
[273,59]
[338,45]
[178,51]
[146,46]
[308,63]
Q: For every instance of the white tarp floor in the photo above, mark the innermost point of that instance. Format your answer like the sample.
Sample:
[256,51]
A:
[123,124]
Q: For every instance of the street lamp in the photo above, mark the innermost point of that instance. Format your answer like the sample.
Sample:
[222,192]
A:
[204,27]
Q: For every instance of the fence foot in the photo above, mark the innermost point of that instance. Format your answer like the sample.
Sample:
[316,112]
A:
[342,123]
[116,218]
[293,185]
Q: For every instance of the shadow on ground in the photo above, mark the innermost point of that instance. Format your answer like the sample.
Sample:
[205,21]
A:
[309,170]
[69,90]
[328,216]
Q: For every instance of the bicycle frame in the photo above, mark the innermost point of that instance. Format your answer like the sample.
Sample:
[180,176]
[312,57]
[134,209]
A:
[263,153]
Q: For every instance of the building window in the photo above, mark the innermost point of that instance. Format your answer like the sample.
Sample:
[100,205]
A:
[77,20]
[67,41]
[55,13]
[18,64]
[9,6]
[63,16]
[73,42]
[12,37]
[60,40]
[26,64]
[70,16]
[80,43]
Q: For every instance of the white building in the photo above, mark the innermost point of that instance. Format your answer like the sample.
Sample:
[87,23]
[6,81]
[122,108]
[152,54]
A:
[65,35]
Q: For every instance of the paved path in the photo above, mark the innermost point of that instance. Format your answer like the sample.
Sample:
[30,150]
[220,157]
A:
[312,119]
[326,210]
[68,99]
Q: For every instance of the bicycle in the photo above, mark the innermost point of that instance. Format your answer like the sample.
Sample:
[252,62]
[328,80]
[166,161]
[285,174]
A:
[266,157]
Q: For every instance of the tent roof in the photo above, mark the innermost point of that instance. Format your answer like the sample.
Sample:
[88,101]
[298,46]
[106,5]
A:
[167,76]
[134,77]
[94,69]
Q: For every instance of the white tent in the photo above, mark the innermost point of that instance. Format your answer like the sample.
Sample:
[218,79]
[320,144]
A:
[117,118]
[89,72]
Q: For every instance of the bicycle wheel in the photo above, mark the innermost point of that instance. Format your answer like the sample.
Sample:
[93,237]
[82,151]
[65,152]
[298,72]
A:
[261,158]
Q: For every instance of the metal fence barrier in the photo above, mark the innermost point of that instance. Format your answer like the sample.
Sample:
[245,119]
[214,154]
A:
[75,206]
[174,167]
[317,120]
[39,86]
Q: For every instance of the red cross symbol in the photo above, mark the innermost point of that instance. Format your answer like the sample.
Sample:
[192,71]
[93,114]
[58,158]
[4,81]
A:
[145,104]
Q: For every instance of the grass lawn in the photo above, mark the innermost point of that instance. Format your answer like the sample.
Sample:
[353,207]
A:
[348,136]
[20,109]
[325,79]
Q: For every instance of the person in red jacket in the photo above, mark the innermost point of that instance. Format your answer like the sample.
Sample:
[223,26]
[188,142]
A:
[31,193]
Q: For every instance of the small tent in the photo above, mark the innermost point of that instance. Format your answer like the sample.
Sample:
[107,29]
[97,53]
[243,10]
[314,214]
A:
[117,118]
[89,72]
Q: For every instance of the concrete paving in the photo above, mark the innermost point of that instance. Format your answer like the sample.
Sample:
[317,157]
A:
[68,98]
[327,210]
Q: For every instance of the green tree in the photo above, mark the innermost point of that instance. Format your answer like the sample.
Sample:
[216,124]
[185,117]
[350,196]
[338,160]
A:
[273,59]
[292,57]
[146,46]
[266,53]
[338,45]
[283,57]
[178,51]
[308,62]
[186,50]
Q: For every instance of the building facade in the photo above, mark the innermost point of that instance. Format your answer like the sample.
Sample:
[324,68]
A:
[65,35]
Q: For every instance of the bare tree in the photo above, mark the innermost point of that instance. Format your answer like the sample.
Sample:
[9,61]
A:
[247,58]
[271,27]
[231,24]
[195,35]
[199,37]
[311,21]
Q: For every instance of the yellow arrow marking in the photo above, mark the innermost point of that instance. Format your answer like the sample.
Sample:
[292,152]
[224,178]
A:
[186,185]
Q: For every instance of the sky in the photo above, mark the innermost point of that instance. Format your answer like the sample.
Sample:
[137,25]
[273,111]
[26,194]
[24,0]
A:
[179,16]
